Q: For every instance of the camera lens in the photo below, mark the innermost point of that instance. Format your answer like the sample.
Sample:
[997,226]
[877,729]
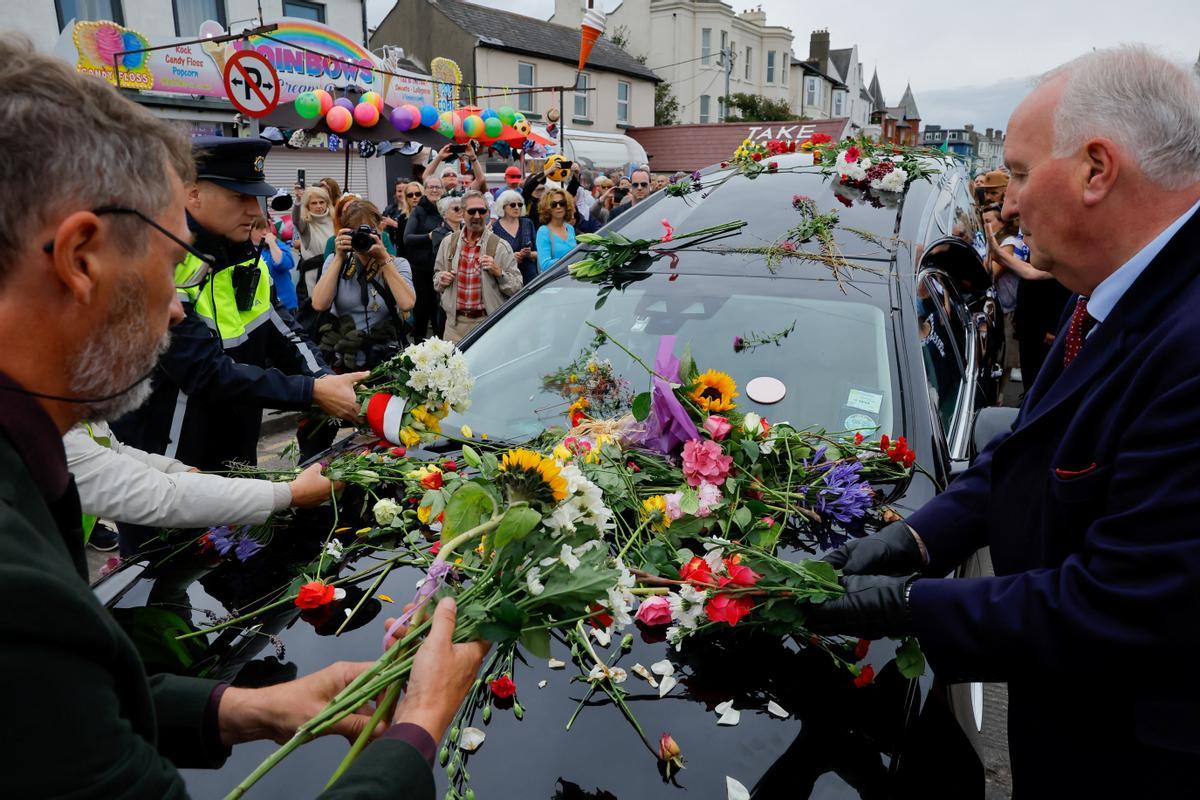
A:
[363,238]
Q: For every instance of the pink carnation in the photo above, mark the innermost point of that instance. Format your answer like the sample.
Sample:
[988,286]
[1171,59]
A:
[654,611]
[717,427]
[704,462]
[710,495]
[674,512]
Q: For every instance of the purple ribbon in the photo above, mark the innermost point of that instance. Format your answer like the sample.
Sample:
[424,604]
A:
[669,426]
[425,590]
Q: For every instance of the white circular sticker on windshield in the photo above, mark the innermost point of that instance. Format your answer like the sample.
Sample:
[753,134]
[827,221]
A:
[860,423]
[766,390]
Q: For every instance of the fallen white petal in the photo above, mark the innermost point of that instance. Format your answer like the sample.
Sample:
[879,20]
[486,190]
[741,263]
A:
[644,673]
[665,685]
[721,708]
[730,717]
[735,790]
[339,593]
[542,684]
[601,636]
[616,675]
[554,663]
[777,710]
[470,739]
[664,667]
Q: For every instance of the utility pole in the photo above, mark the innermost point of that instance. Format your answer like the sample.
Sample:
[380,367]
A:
[727,57]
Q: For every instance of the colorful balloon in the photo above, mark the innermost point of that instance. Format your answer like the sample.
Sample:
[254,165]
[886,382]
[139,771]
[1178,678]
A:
[414,113]
[308,105]
[492,127]
[326,100]
[345,103]
[488,113]
[507,115]
[472,126]
[339,119]
[429,116]
[374,98]
[402,118]
[366,114]
[446,128]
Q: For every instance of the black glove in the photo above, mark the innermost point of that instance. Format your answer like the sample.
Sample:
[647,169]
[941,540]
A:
[891,551]
[873,607]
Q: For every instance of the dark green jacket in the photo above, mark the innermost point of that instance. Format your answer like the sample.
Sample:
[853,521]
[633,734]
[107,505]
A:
[80,717]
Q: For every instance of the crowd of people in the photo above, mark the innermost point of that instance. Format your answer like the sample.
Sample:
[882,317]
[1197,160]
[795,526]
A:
[144,255]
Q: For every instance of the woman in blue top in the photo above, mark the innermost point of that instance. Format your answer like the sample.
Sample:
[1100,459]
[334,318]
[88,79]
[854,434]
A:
[278,260]
[556,237]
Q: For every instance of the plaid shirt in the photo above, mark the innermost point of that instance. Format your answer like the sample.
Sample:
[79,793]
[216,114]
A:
[470,277]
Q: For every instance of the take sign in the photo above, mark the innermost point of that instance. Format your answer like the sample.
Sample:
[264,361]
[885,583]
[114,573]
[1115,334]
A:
[251,83]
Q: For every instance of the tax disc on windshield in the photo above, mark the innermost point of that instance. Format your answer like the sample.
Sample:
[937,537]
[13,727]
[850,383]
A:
[765,390]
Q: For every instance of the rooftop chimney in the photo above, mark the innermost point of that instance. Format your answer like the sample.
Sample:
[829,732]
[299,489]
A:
[818,48]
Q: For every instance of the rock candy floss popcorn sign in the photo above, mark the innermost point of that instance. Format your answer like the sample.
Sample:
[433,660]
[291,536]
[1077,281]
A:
[306,55]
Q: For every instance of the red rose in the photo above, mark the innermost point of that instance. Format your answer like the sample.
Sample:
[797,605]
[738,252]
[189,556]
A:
[577,417]
[858,438]
[503,687]
[909,458]
[432,480]
[728,608]
[821,138]
[314,594]
[633,467]
[697,571]
[757,156]
[398,452]
[865,676]
[792,146]
[860,649]
[766,426]
[884,442]
[739,575]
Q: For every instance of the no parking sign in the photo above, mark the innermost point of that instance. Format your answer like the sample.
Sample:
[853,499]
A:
[251,83]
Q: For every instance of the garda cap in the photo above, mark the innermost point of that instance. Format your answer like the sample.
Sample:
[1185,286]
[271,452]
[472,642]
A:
[236,164]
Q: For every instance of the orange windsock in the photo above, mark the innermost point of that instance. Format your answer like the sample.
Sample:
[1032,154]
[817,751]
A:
[591,30]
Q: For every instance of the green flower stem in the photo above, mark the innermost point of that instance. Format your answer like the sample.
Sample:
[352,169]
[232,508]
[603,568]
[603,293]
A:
[383,709]
[627,351]
[366,595]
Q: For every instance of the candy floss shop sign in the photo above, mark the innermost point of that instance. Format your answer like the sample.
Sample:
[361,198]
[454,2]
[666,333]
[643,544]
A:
[306,55]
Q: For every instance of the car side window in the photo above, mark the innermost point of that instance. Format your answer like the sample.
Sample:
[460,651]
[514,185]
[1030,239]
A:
[967,225]
[941,331]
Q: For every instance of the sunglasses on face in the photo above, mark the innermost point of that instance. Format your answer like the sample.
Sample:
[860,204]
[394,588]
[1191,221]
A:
[412,194]
[640,185]
[513,204]
[198,275]
[455,208]
[477,212]
[558,204]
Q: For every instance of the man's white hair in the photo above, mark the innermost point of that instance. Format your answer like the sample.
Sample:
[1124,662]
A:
[1144,102]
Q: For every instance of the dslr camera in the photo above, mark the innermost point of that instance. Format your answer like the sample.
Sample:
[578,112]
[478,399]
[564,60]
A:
[363,239]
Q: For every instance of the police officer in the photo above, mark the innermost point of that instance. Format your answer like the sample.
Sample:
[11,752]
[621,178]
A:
[238,351]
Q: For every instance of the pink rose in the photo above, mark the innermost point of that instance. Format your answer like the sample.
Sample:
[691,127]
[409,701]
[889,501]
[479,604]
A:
[705,462]
[717,427]
[654,611]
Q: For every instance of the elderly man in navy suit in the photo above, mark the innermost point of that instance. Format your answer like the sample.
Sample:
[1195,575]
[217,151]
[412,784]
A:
[1091,503]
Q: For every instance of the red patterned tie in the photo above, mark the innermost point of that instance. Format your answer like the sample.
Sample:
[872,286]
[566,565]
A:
[1077,331]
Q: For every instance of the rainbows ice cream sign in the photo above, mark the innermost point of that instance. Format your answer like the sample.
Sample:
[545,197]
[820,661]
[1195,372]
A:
[306,55]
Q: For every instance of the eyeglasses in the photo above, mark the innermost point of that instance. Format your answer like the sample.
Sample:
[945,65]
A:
[454,208]
[640,185]
[558,204]
[514,204]
[477,212]
[412,194]
[198,275]
[433,187]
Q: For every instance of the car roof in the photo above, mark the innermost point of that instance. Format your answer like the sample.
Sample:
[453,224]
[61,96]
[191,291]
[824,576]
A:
[867,231]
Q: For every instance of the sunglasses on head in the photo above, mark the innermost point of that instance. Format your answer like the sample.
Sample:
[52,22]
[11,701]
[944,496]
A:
[477,212]
[194,279]
[558,204]
[640,184]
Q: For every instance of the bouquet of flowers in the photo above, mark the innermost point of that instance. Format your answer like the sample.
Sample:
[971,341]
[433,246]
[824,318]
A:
[405,398]
[882,166]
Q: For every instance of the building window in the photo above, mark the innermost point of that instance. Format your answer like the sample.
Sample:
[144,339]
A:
[304,10]
[81,10]
[839,102]
[189,14]
[724,44]
[526,76]
[770,66]
[623,102]
[721,113]
[787,65]
[748,52]
[581,97]
[953,135]
[812,91]
[706,46]
[705,100]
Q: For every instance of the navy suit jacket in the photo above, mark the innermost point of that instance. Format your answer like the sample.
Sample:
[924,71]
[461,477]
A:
[1091,508]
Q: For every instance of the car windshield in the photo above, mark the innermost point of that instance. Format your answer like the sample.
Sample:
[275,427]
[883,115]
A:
[533,362]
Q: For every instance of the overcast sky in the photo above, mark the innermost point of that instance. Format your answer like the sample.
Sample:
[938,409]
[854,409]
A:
[964,65]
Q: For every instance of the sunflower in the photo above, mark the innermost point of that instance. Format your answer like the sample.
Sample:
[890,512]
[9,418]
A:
[714,391]
[654,509]
[533,477]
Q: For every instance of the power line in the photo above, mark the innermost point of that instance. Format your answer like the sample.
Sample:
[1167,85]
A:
[677,63]
[702,91]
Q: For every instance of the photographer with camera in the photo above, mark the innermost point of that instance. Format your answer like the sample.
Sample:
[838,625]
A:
[366,288]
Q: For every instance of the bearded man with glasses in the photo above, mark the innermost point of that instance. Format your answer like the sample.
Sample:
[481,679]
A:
[475,271]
